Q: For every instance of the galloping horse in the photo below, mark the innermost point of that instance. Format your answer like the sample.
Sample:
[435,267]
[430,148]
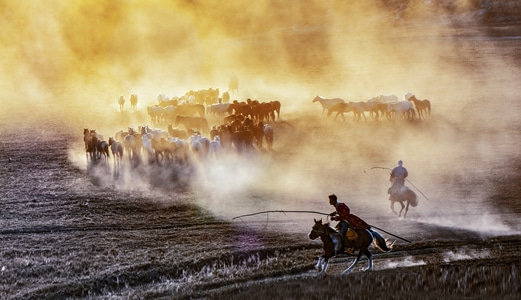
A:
[422,106]
[404,195]
[331,240]
[133,102]
[121,102]
[327,103]
[117,150]
[90,137]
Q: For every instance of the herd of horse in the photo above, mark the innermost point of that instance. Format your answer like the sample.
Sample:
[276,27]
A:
[190,137]
[379,107]
[256,110]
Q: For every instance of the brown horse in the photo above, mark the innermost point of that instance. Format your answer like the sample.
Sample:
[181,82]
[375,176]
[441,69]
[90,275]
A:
[190,109]
[197,123]
[404,195]
[327,103]
[423,107]
[340,109]
[332,243]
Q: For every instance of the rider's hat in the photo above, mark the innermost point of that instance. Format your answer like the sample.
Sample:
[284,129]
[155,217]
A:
[332,197]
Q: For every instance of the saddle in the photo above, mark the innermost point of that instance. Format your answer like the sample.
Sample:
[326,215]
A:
[351,235]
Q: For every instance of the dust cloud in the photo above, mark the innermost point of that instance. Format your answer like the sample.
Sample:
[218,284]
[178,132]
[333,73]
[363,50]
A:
[74,59]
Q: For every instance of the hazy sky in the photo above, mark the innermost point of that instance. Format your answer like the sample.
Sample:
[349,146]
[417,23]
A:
[101,49]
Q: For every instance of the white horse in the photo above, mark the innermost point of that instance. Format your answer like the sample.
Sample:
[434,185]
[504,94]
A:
[382,102]
[219,109]
[403,108]
[385,99]
[147,146]
[327,103]
[359,109]
[215,147]
[200,146]
[268,135]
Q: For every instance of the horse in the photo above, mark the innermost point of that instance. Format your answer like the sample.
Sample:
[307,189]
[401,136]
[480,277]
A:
[218,109]
[133,102]
[276,108]
[91,142]
[200,145]
[215,147]
[121,102]
[403,108]
[404,195]
[331,243]
[340,108]
[359,108]
[198,123]
[129,142]
[102,148]
[423,107]
[268,135]
[177,133]
[225,97]
[327,103]
[117,149]
[188,109]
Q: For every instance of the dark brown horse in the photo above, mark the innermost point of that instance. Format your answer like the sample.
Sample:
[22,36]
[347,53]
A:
[404,195]
[423,107]
[333,243]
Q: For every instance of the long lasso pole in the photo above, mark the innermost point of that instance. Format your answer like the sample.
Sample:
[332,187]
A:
[314,212]
[282,211]
[406,179]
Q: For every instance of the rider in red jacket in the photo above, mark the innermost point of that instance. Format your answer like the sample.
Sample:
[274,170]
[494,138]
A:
[343,215]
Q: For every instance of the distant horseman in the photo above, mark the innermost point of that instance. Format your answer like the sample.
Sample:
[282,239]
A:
[397,178]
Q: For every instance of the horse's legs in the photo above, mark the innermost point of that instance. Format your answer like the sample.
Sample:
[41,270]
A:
[392,206]
[400,214]
[369,260]
[350,268]
[322,264]
[406,209]
[318,266]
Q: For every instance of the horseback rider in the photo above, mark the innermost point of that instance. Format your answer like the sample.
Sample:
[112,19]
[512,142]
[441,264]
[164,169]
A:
[398,175]
[347,222]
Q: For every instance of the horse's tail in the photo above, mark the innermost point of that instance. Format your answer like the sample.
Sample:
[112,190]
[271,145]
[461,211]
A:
[380,241]
[413,199]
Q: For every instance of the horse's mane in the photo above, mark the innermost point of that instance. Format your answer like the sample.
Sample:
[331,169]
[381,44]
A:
[329,228]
